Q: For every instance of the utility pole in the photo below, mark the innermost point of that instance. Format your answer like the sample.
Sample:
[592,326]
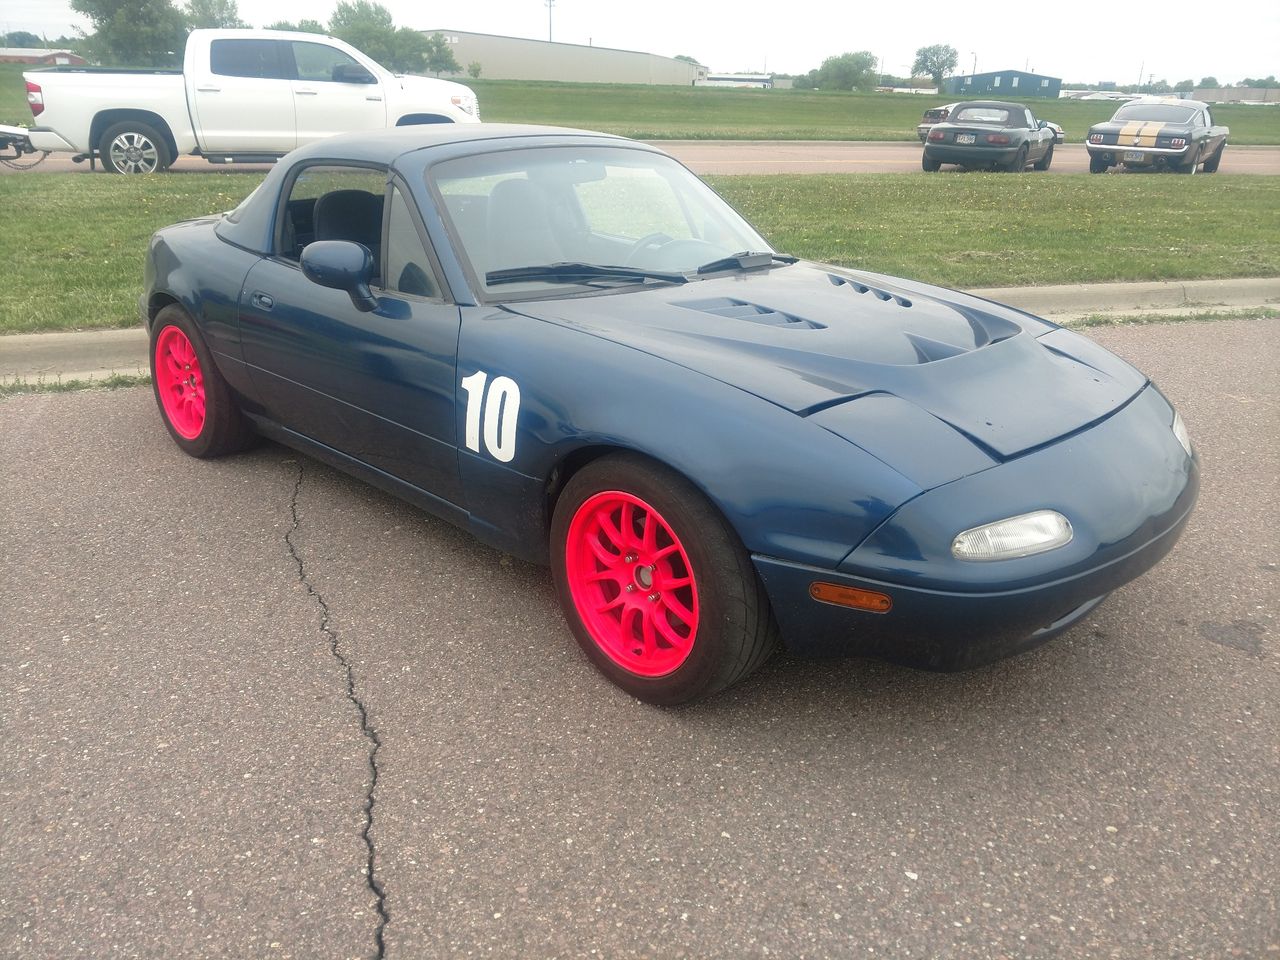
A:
[550,4]
[974,71]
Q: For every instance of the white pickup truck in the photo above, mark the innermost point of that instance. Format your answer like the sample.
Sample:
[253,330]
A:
[242,95]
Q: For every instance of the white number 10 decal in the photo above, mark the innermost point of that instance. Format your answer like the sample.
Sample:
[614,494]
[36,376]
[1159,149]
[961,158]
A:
[499,407]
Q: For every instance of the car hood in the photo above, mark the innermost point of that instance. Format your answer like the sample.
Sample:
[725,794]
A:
[809,338]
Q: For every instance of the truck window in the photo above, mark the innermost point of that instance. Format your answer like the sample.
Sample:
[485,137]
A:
[318,61]
[247,58]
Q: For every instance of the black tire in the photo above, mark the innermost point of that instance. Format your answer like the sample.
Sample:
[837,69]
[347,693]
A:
[1043,162]
[1211,165]
[733,631]
[1019,163]
[132,147]
[929,164]
[1098,165]
[1189,169]
[195,402]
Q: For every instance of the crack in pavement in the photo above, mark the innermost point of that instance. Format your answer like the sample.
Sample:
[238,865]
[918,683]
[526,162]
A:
[367,729]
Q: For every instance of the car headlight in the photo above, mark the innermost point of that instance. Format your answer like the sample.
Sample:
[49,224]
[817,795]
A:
[1020,536]
[1180,431]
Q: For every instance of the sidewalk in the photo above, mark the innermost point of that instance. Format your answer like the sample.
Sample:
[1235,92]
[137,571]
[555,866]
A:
[95,355]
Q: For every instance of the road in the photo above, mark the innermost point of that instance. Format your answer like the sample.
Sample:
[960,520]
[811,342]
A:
[791,156]
[206,665]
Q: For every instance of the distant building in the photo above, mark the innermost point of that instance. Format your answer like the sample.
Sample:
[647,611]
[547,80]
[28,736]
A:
[1237,94]
[1003,85]
[518,58]
[41,57]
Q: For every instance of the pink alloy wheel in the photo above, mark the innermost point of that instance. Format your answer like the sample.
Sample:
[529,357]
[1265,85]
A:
[180,382]
[632,583]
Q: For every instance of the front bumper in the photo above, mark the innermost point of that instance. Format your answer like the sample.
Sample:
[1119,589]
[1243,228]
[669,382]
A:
[1128,488]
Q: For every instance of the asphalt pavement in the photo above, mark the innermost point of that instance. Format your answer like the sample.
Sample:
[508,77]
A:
[231,686]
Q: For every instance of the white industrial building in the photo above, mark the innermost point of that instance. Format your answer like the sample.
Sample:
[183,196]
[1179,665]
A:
[518,58]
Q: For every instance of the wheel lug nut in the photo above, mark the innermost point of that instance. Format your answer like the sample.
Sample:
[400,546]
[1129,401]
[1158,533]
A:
[653,598]
[631,588]
[629,558]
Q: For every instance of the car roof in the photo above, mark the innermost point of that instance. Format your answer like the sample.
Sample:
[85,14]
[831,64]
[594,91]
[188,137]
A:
[386,146]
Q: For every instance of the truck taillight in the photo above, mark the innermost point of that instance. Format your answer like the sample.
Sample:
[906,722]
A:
[35,97]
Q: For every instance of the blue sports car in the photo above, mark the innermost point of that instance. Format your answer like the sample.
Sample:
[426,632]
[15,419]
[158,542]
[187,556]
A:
[569,345]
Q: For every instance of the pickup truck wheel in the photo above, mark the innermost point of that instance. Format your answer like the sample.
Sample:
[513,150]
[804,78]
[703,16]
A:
[1211,165]
[133,147]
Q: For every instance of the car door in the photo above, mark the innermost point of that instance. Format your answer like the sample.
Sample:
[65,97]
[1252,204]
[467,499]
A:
[325,101]
[244,104]
[1035,137]
[379,386]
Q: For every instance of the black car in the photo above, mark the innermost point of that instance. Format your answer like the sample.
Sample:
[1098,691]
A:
[990,135]
[1158,133]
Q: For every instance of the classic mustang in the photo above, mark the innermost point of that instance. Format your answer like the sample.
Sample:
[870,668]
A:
[1161,133]
[990,134]
[567,344]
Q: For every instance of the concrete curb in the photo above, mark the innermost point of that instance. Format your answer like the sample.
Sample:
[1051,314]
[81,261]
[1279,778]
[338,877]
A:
[97,354]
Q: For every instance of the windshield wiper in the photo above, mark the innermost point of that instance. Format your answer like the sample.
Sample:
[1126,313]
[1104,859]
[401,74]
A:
[745,260]
[572,271]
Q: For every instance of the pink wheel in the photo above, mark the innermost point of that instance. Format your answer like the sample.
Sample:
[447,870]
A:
[632,584]
[655,585]
[195,402]
[179,382]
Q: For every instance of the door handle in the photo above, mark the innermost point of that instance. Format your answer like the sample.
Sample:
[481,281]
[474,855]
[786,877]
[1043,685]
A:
[208,89]
[374,99]
[305,93]
[262,301]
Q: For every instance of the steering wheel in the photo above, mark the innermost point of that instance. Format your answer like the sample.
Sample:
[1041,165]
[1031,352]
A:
[648,240]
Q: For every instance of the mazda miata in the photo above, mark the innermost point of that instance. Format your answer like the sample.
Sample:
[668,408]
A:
[569,345]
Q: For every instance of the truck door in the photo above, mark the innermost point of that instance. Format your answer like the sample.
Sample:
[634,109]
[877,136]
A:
[333,92]
[244,102]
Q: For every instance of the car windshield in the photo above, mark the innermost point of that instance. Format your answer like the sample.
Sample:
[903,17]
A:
[980,115]
[1159,112]
[526,219]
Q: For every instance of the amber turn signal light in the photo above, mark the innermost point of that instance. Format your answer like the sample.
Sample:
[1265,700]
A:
[851,597]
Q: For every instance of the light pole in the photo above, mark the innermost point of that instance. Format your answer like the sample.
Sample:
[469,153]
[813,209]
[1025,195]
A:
[974,71]
[550,4]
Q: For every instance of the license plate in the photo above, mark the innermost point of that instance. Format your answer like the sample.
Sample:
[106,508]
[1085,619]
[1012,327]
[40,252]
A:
[966,137]
[1135,156]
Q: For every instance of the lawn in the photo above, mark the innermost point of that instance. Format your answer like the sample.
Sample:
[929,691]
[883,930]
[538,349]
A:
[711,113]
[76,260]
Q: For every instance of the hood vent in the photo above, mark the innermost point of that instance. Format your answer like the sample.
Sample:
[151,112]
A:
[754,313]
[884,295]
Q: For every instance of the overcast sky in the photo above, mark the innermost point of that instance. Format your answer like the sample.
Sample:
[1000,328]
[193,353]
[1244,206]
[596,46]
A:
[1075,41]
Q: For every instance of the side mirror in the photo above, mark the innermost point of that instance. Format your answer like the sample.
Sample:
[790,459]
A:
[341,265]
[352,73]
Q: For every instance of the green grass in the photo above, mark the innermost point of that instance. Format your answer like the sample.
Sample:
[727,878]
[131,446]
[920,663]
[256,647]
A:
[76,260]
[710,113]
[58,385]
[982,229]
[1188,316]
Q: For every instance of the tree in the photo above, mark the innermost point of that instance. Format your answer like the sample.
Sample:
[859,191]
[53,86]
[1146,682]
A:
[223,14]
[138,33]
[1210,83]
[687,59]
[21,39]
[1184,86]
[368,27]
[937,61]
[473,69]
[302,26]
[849,71]
[440,58]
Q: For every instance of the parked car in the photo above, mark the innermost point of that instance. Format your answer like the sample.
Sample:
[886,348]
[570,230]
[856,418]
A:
[932,116]
[567,344]
[1158,133]
[990,134]
[241,95]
